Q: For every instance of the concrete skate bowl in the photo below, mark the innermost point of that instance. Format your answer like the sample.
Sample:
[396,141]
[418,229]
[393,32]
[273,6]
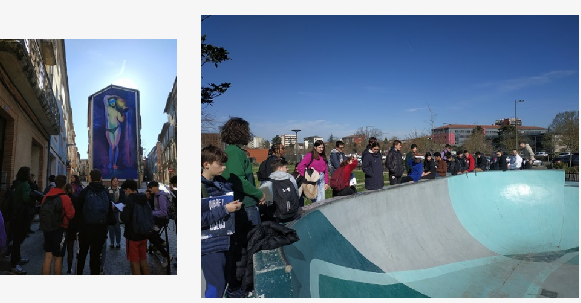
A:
[490,234]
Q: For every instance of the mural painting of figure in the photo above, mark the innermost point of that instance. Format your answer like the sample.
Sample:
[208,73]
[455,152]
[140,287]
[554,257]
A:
[115,115]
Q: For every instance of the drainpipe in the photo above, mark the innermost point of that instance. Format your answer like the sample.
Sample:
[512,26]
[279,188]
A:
[48,162]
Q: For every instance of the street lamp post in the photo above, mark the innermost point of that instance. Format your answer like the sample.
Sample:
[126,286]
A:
[516,125]
[296,142]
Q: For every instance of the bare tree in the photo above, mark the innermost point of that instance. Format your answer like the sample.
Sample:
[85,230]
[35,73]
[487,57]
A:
[370,132]
[422,140]
[208,122]
[431,145]
[478,142]
[565,131]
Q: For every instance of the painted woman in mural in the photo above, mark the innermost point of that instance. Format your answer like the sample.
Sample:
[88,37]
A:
[115,115]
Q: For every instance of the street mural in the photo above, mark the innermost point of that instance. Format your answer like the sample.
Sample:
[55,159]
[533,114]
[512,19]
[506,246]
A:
[115,132]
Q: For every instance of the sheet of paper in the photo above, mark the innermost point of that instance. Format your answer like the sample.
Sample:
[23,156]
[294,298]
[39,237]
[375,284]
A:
[119,206]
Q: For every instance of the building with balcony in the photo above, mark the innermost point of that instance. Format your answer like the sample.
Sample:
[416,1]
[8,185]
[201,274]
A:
[84,170]
[456,134]
[33,92]
[169,138]
[287,140]
[152,164]
[508,121]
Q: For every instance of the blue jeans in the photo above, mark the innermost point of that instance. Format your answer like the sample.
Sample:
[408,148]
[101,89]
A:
[320,188]
[115,230]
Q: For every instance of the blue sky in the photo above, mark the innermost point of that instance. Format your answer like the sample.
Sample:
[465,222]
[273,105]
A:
[147,65]
[333,74]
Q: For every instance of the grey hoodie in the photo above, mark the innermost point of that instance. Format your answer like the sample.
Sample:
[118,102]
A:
[336,158]
[279,175]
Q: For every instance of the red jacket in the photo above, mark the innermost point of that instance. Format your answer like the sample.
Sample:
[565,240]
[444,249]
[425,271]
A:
[347,171]
[471,162]
[68,207]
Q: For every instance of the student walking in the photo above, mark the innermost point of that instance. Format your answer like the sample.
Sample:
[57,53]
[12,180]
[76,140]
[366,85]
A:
[136,238]
[95,212]
[56,209]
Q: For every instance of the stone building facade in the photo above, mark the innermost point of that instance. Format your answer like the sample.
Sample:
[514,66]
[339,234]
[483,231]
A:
[33,98]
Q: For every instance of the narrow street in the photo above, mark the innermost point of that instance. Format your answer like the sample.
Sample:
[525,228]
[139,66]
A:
[115,262]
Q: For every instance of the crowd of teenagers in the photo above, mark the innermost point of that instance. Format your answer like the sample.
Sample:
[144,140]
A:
[70,213]
[233,206]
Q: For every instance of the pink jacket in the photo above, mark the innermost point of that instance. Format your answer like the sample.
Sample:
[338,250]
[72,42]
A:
[319,165]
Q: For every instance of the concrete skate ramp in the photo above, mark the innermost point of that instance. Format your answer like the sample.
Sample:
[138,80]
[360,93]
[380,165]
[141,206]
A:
[490,234]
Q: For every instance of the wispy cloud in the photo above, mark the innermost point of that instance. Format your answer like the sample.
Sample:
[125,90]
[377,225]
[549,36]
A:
[522,82]
[410,110]
[122,69]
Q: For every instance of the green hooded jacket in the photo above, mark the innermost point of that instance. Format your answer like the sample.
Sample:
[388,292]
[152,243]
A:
[239,172]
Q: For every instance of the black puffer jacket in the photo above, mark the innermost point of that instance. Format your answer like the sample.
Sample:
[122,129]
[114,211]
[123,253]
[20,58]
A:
[268,235]
[394,162]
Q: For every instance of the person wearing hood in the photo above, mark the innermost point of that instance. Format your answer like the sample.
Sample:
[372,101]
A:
[336,157]
[135,244]
[368,147]
[372,166]
[92,236]
[279,173]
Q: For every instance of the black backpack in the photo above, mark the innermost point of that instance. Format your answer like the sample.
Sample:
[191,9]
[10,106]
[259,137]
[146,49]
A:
[285,199]
[96,207]
[51,213]
[262,174]
[142,219]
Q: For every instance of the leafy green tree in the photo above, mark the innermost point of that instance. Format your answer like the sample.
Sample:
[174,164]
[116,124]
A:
[276,140]
[506,138]
[213,55]
[332,141]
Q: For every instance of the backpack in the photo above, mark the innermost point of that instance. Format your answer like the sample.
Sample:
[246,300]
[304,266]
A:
[51,213]
[337,181]
[96,207]
[285,199]
[142,219]
[261,173]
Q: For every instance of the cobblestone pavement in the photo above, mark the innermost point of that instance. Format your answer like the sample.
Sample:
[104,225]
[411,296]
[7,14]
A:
[116,259]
